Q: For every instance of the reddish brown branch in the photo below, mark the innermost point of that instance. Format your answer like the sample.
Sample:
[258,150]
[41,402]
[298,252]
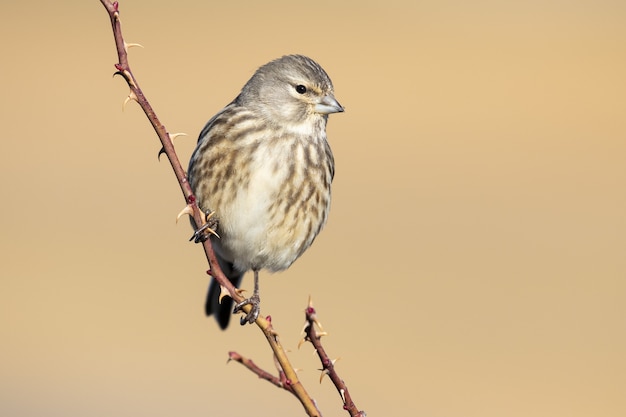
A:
[136,94]
[328,365]
[261,373]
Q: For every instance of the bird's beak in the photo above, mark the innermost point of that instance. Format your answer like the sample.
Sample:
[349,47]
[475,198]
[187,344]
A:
[328,104]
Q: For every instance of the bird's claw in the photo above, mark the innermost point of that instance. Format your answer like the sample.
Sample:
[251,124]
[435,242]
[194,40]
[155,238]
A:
[255,309]
[202,234]
[207,229]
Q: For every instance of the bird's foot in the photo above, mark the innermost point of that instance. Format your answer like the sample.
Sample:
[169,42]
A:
[207,229]
[255,304]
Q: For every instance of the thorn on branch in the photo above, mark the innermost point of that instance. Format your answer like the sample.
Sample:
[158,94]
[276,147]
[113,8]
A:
[175,135]
[127,46]
[324,373]
[187,210]
[172,136]
[131,96]
[125,73]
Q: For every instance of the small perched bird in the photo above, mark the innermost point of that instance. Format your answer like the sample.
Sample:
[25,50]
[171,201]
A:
[263,167]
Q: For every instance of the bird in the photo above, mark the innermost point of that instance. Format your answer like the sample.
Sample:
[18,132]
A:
[262,170]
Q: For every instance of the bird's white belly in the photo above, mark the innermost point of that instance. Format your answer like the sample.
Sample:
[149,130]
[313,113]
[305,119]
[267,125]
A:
[253,234]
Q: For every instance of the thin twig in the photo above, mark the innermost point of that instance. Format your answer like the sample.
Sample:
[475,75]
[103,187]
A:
[261,373]
[279,381]
[123,69]
[328,365]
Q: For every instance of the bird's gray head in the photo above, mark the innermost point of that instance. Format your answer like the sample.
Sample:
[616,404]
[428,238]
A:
[292,89]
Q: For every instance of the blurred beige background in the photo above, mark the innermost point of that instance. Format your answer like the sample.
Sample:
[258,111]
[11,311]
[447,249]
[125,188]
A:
[474,262]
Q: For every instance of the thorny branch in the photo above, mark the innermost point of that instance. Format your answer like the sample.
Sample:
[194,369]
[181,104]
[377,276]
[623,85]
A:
[288,378]
[328,365]
[312,335]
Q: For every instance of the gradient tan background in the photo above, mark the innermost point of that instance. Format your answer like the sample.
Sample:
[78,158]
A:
[474,262]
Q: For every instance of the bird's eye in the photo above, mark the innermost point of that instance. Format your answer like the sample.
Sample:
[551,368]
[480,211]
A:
[300,89]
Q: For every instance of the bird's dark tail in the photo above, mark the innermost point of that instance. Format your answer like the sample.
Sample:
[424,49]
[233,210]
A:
[224,310]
